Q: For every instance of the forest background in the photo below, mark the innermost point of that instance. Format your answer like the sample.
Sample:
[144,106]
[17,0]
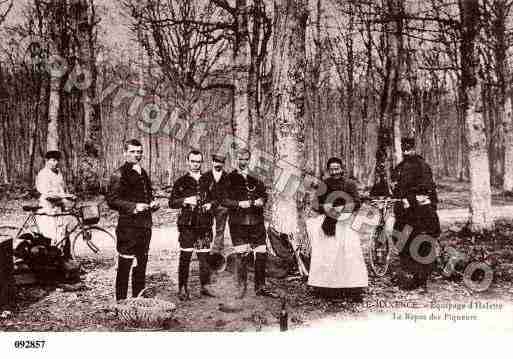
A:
[300,81]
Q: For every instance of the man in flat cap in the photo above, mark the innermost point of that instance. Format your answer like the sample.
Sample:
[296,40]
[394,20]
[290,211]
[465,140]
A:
[416,188]
[53,198]
[217,180]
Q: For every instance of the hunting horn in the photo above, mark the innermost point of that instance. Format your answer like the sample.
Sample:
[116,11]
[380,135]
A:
[217,261]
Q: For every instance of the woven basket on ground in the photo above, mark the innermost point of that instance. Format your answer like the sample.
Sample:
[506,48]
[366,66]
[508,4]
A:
[144,312]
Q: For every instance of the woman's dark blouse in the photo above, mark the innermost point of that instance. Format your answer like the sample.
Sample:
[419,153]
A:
[340,192]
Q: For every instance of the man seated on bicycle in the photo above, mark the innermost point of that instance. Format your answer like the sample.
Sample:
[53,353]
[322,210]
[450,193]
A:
[53,199]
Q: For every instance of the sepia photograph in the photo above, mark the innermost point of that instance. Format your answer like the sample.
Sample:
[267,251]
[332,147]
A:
[228,166]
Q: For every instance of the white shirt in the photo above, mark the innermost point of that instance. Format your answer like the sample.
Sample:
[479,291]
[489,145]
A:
[195,175]
[137,167]
[244,173]
[49,183]
[217,175]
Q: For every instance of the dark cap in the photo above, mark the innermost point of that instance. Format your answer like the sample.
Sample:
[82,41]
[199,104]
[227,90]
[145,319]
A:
[56,155]
[407,143]
[218,158]
[335,160]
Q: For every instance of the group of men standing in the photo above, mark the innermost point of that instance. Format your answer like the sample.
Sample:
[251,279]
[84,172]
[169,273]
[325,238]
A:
[236,198]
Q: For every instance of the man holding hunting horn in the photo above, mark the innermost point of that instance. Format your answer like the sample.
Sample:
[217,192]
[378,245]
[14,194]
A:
[245,199]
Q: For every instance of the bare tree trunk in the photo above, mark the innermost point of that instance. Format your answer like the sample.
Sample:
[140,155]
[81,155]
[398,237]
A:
[480,199]
[398,154]
[351,133]
[33,133]
[4,166]
[89,164]
[241,115]
[366,112]
[52,138]
[435,133]
[261,30]
[504,142]
[388,130]
[508,145]
[316,113]
[289,62]
[460,140]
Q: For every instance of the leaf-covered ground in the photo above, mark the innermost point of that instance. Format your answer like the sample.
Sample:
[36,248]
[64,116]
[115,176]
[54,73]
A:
[88,306]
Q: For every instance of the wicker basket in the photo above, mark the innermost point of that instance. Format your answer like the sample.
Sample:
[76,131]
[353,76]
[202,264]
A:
[144,312]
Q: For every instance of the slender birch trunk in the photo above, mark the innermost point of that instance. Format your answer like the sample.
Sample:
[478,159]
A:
[52,137]
[479,169]
[289,61]
[508,145]
[241,116]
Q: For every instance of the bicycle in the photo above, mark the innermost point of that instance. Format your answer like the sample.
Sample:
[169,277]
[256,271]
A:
[381,245]
[85,236]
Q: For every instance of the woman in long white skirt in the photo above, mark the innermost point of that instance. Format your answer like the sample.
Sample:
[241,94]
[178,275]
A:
[337,266]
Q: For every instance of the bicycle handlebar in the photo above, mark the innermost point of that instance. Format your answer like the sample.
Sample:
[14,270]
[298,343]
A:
[382,199]
[73,211]
[61,214]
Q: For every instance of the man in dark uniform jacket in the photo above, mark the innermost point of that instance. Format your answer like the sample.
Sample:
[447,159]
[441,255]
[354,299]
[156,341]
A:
[245,199]
[416,188]
[130,194]
[192,194]
[217,180]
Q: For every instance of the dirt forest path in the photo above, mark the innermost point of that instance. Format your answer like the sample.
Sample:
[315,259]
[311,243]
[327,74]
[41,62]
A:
[166,236]
[89,307]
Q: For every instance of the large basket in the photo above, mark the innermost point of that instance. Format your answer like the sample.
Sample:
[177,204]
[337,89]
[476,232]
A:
[90,214]
[144,312]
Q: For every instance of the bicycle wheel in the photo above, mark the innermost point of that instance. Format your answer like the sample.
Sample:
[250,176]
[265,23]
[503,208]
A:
[93,244]
[380,252]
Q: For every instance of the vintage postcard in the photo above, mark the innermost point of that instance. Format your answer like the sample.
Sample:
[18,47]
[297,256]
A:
[227,166]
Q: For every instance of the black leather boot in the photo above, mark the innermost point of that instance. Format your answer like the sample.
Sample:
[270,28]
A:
[66,250]
[204,270]
[260,288]
[420,280]
[184,262]
[139,275]
[241,275]
[122,276]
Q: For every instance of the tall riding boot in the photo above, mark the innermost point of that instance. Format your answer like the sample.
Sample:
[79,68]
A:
[184,262]
[241,275]
[123,273]
[204,270]
[260,264]
[421,278]
[139,275]
[66,250]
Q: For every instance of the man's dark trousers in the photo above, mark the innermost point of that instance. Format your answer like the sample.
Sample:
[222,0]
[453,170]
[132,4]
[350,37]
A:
[127,188]
[132,242]
[221,216]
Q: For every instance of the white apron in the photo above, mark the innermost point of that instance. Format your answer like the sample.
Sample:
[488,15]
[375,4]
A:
[337,261]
